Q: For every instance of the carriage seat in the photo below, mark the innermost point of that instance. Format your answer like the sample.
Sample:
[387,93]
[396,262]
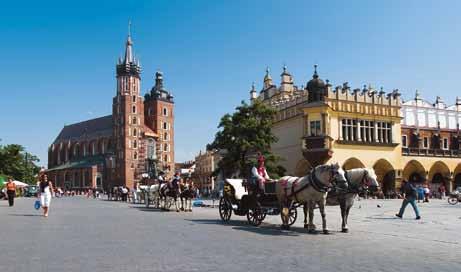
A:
[238,188]
[269,187]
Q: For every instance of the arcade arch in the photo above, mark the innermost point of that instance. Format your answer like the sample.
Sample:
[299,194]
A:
[386,176]
[439,174]
[352,163]
[414,171]
[302,168]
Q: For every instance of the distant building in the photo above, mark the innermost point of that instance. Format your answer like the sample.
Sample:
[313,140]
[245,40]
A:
[205,165]
[133,143]
[186,169]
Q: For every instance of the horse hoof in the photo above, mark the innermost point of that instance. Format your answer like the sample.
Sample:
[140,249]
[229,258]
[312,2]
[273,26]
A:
[311,231]
[306,226]
[345,230]
[177,210]
[325,231]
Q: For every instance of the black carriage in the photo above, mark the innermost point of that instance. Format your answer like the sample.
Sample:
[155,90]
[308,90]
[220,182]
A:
[244,199]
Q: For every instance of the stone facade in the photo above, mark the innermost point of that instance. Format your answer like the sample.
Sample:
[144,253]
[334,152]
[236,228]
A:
[133,143]
[363,127]
[205,164]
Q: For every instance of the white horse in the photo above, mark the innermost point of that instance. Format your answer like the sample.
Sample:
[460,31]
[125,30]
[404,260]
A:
[310,190]
[151,195]
[358,180]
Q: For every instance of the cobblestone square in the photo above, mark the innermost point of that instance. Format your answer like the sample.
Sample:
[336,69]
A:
[97,235]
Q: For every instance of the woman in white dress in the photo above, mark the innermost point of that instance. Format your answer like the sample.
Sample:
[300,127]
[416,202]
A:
[46,190]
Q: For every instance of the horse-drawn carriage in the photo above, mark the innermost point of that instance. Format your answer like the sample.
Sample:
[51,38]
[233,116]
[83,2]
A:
[287,194]
[245,199]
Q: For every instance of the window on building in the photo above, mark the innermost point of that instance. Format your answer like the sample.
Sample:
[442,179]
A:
[135,132]
[349,129]
[315,128]
[165,147]
[134,98]
[134,121]
[135,155]
[445,143]
[165,158]
[425,142]
[135,144]
[165,136]
[165,125]
[165,111]
[367,130]
[404,141]
[134,109]
[384,132]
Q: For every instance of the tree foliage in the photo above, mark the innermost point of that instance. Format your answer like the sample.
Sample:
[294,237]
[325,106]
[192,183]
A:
[17,163]
[243,134]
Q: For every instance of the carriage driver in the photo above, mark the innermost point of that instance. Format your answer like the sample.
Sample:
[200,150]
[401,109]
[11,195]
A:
[259,173]
[175,181]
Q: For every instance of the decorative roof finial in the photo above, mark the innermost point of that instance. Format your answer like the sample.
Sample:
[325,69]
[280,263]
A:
[267,70]
[315,71]
[417,97]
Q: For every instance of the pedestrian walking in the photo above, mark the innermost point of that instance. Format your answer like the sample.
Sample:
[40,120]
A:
[420,193]
[46,189]
[135,193]
[442,191]
[10,191]
[410,195]
[427,192]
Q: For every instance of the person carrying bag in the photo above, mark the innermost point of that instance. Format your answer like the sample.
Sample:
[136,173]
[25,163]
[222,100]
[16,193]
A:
[11,191]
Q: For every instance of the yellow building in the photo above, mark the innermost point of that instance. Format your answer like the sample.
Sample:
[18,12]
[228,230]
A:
[205,164]
[356,128]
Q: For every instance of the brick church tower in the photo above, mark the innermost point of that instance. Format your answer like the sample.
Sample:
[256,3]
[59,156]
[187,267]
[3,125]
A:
[159,112]
[128,119]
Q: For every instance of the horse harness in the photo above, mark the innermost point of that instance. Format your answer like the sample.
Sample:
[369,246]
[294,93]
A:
[313,180]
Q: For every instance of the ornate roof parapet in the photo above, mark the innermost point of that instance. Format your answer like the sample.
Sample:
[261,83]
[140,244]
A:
[439,104]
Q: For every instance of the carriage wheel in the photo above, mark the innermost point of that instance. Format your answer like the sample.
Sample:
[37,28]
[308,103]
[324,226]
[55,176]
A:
[292,216]
[453,200]
[225,209]
[256,216]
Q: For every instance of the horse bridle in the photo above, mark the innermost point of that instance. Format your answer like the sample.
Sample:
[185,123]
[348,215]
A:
[363,186]
[321,187]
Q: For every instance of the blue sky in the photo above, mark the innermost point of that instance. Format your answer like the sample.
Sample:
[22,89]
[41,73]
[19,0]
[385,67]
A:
[58,57]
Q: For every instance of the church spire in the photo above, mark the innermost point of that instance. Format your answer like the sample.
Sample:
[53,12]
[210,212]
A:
[128,48]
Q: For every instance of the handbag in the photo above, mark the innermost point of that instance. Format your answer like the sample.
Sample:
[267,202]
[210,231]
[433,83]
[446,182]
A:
[37,204]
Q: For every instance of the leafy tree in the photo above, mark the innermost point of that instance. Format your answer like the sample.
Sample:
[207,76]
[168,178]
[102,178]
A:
[17,163]
[243,134]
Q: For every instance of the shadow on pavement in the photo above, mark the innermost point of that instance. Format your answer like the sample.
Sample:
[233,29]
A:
[25,214]
[144,209]
[383,218]
[263,229]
